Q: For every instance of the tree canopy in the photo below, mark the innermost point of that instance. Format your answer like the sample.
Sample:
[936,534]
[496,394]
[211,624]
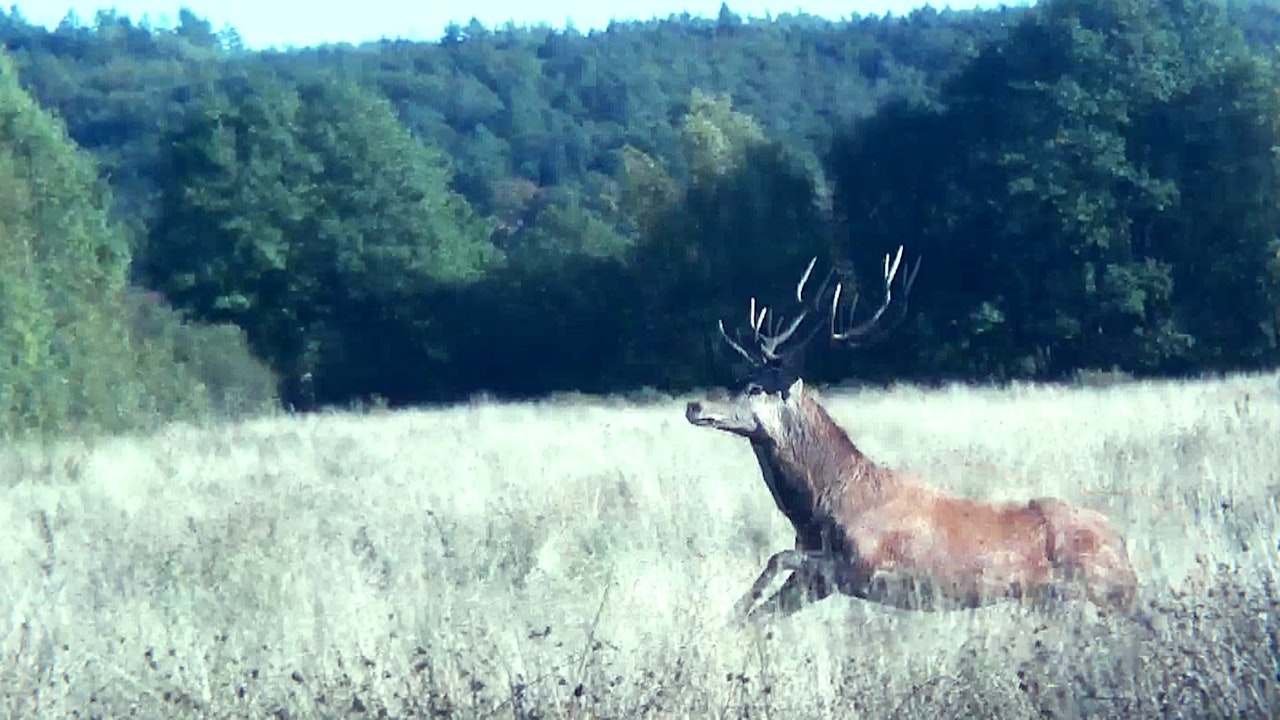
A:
[69,359]
[521,210]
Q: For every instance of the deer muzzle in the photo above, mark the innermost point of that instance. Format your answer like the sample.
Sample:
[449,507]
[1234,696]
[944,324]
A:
[693,412]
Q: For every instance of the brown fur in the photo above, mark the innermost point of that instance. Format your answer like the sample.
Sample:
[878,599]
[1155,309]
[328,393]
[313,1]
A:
[871,532]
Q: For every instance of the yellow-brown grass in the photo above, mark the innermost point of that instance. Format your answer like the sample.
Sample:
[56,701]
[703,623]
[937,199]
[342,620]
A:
[580,560]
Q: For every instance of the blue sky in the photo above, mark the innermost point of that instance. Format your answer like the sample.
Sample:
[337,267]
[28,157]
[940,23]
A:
[264,23]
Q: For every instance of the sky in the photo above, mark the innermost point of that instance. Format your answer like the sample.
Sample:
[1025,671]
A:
[297,23]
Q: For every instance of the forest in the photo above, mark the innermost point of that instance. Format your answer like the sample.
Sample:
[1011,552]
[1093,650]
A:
[188,225]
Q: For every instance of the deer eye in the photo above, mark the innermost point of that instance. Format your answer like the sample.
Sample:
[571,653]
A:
[754,390]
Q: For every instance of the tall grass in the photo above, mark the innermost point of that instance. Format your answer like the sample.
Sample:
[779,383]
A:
[579,560]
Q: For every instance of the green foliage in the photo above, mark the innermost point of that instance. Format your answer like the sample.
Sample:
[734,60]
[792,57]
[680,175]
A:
[114,83]
[307,215]
[68,359]
[1091,183]
[746,226]
[542,323]
[594,310]
[648,190]
[715,139]
[61,265]
[1097,190]
[195,370]
[566,228]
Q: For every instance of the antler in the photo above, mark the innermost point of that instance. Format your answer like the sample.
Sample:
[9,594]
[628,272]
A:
[773,337]
[770,339]
[870,329]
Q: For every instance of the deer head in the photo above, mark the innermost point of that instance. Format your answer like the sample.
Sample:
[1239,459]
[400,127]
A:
[774,392]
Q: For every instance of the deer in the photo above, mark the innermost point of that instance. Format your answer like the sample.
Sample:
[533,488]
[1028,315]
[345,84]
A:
[882,535]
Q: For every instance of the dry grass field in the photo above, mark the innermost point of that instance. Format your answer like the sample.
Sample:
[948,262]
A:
[579,559]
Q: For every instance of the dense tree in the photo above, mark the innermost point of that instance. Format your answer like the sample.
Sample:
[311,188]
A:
[114,83]
[523,209]
[60,263]
[1094,191]
[747,223]
[308,216]
[69,360]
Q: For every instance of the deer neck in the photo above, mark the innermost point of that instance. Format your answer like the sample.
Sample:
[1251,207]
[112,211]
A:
[815,472]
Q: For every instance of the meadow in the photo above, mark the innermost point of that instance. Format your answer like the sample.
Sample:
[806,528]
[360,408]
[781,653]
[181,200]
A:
[578,558]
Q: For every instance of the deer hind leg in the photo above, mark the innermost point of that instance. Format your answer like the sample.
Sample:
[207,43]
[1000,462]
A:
[813,577]
[1089,555]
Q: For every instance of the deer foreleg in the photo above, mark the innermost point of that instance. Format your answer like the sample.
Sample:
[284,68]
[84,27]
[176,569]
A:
[813,578]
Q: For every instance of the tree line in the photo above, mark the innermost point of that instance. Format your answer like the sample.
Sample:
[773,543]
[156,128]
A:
[1092,185]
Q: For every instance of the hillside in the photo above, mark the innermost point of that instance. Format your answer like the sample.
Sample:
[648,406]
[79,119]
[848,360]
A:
[524,210]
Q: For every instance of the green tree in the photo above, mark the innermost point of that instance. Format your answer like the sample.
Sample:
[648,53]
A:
[715,139]
[752,209]
[310,217]
[1217,139]
[70,361]
[62,263]
[648,190]
[1089,192]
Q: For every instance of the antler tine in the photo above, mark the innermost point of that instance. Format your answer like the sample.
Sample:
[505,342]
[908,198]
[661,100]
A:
[804,279]
[771,331]
[734,344]
[770,343]
[864,329]
[822,289]
[888,271]
[757,322]
[777,339]
[839,314]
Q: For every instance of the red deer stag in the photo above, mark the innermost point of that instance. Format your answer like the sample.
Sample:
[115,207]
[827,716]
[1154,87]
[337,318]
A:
[874,533]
